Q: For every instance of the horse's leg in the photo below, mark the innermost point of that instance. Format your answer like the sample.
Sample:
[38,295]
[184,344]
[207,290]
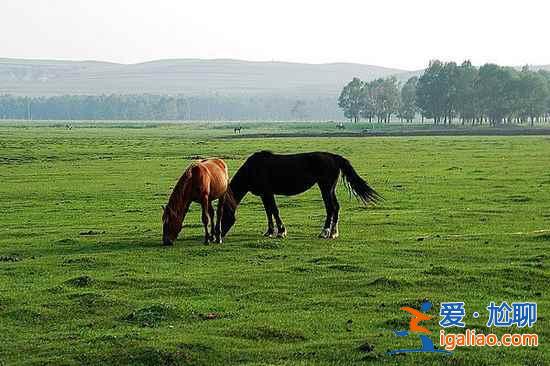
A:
[212,219]
[327,199]
[219,212]
[205,218]
[268,206]
[281,229]
[269,201]
[336,209]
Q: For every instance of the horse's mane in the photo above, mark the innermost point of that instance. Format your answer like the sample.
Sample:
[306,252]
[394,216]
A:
[177,199]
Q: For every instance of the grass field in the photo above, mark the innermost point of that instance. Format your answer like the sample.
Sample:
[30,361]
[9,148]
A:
[84,278]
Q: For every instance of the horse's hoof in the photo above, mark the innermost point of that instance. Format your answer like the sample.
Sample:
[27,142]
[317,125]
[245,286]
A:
[334,235]
[282,234]
[269,234]
[325,234]
[219,241]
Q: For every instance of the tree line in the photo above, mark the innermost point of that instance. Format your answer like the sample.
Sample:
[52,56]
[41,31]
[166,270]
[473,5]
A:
[166,107]
[448,92]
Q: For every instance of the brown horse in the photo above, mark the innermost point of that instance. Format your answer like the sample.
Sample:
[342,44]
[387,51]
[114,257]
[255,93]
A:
[203,182]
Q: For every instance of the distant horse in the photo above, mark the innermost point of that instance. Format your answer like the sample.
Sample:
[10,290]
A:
[340,126]
[202,182]
[266,174]
[237,130]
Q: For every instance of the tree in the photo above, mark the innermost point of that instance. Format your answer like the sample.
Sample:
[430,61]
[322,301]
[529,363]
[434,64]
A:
[350,99]
[391,97]
[533,95]
[367,102]
[407,107]
[432,92]
[385,98]
[466,105]
[495,92]
[450,76]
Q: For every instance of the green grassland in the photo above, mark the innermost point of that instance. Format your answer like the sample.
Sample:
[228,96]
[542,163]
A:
[84,278]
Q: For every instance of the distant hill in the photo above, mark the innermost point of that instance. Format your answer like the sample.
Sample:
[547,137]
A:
[187,76]
[181,76]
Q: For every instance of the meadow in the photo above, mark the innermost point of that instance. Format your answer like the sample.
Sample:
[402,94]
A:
[84,278]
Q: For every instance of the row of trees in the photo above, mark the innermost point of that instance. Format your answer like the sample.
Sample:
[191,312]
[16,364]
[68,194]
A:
[376,99]
[446,91]
[164,107]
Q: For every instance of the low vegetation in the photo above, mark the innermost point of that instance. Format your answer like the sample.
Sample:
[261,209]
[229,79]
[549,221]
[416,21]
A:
[85,279]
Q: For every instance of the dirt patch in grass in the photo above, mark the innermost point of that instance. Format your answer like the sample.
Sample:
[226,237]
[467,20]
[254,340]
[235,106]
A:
[323,260]
[440,271]
[67,241]
[10,258]
[541,237]
[346,268]
[519,198]
[154,315]
[80,281]
[385,282]
[91,232]
[366,347]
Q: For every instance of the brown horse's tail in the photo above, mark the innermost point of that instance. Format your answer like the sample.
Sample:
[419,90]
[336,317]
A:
[356,184]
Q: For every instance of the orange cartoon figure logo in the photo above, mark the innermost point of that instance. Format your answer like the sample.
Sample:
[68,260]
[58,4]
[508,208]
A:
[418,316]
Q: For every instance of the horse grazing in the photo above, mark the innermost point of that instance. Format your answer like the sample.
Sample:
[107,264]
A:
[266,174]
[202,182]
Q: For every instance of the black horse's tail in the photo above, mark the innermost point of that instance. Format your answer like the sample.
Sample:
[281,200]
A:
[356,184]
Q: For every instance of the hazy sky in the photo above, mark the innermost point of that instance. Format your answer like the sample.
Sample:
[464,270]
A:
[402,34]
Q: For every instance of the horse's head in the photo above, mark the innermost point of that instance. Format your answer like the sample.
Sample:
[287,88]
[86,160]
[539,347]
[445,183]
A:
[228,214]
[171,226]
[228,219]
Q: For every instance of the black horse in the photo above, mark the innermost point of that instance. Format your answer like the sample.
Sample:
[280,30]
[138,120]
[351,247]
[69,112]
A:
[266,174]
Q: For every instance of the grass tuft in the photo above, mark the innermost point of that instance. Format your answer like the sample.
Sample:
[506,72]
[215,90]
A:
[153,316]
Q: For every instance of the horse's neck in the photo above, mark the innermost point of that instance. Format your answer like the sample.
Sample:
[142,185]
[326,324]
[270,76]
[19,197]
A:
[181,203]
[240,194]
[239,186]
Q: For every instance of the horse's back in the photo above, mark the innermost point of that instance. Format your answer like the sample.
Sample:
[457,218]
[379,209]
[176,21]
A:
[317,160]
[215,165]
[290,174]
[211,176]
